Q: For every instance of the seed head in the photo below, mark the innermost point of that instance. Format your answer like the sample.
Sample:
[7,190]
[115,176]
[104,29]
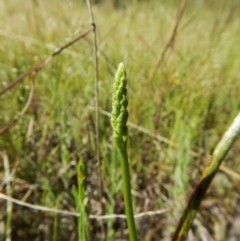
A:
[119,106]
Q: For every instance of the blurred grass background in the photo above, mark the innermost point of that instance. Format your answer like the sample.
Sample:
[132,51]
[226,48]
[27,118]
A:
[191,99]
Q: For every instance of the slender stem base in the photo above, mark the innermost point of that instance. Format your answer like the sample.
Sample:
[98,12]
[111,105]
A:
[127,194]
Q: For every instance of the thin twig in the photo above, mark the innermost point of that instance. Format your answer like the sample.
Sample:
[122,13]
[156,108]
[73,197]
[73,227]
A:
[229,172]
[140,128]
[25,108]
[171,41]
[165,140]
[93,24]
[39,65]
[74,214]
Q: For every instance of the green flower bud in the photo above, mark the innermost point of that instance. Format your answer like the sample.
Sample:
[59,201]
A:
[119,107]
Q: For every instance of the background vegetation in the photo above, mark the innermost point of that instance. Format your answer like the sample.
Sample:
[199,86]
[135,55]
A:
[183,92]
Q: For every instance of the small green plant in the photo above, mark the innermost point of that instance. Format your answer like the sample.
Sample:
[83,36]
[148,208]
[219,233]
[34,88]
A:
[79,196]
[120,133]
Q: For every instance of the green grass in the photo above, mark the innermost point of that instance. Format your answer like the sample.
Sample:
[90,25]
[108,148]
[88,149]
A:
[192,99]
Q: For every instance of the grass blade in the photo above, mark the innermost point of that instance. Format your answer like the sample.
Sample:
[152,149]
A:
[208,173]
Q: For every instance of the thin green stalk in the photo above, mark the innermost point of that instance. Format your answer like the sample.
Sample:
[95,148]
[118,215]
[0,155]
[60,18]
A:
[79,195]
[127,194]
[56,220]
[208,173]
[120,132]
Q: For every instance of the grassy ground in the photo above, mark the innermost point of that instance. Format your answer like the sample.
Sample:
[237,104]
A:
[190,100]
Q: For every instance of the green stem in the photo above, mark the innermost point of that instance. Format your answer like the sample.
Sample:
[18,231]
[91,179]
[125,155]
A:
[127,193]
[208,174]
